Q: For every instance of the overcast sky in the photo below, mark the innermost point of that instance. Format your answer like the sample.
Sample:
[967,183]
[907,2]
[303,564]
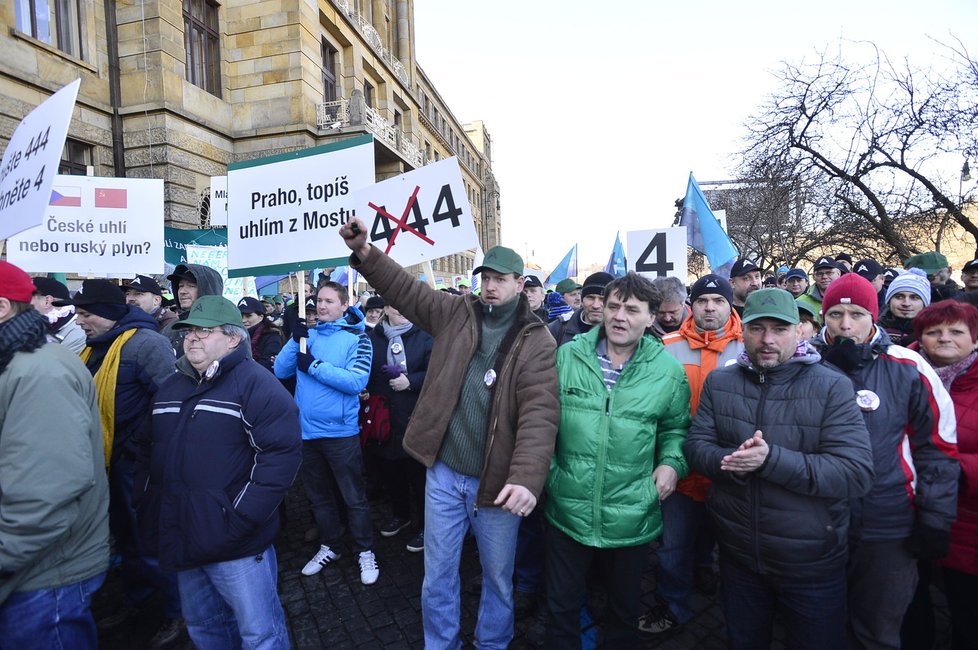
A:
[599,110]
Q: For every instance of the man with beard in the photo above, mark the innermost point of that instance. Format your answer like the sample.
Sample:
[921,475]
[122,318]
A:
[745,278]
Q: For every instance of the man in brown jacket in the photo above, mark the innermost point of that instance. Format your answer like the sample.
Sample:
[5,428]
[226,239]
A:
[484,426]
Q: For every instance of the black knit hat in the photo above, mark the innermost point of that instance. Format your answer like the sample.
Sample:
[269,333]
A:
[595,283]
[711,283]
[94,292]
[51,287]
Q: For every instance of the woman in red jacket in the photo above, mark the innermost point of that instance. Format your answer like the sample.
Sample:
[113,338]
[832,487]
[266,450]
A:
[947,333]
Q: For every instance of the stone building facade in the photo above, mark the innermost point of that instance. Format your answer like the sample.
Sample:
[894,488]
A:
[177,89]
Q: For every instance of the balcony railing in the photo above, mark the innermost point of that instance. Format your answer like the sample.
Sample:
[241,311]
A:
[372,36]
[337,114]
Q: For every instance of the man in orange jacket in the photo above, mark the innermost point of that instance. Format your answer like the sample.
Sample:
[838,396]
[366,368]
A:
[710,337]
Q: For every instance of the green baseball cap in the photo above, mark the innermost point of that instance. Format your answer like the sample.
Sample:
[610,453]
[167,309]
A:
[567,285]
[931,262]
[501,260]
[771,303]
[210,311]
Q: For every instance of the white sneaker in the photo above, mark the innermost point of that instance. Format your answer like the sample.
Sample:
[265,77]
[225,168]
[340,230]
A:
[323,556]
[368,568]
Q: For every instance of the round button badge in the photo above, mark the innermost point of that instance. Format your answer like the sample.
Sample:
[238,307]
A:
[867,400]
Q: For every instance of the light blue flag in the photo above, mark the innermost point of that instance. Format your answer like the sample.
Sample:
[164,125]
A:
[263,281]
[704,233]
[567,268]
[616,263]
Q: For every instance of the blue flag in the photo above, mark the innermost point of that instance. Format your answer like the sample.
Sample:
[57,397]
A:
[704,233]
[616,263]
[567,268]
[341,275]
[263,281]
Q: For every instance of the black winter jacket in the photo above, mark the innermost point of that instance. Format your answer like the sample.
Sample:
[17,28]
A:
[913,432]
[220,458]
[789,518]
[417,352]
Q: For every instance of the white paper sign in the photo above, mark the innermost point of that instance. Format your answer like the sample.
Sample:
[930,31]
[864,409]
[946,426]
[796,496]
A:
[216,257]
[657,253]
[219,201]
[31,160]
[284,212]
[96,226]
[420,215]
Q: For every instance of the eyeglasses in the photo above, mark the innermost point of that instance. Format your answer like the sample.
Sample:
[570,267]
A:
[201,332]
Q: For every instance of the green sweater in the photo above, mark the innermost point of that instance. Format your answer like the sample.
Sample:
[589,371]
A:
[464,447]
[600,486]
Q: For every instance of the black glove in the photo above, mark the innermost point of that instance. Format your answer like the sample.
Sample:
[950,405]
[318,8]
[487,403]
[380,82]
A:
[303,360]
[300,331]
[928,543]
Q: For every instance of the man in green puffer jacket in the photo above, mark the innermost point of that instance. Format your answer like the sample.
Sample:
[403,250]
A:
[624,414]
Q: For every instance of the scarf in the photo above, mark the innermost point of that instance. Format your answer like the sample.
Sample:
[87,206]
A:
[24,332]
[952,371]
[105,381]
[393,334]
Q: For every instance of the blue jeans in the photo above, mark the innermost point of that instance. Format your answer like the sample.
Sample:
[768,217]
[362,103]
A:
[449,514]
[687,542]
[234,604]
[60,617]
[813,609]
[141,573]
[326,459]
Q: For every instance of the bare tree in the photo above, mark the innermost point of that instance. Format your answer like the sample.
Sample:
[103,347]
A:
[875,140]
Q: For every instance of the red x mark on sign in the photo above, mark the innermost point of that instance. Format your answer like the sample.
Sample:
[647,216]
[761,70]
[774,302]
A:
[402,222]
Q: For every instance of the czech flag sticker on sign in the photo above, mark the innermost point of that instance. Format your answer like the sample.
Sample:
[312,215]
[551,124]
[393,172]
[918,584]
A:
[65,197]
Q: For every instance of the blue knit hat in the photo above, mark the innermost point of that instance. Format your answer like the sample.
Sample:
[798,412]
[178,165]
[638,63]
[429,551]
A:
[913,280]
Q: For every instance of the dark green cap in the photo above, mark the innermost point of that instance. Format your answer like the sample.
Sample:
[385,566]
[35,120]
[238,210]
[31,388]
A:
[210,311]
[501,260]
[771,303]
[927,262]
[567,285]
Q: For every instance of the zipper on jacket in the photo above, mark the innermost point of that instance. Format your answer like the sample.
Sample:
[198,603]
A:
[754,486]
[510,360]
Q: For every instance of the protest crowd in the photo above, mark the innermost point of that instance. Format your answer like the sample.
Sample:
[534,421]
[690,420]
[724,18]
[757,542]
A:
[804,446]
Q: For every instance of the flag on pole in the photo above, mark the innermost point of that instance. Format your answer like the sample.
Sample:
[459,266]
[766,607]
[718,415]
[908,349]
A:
[616,263]
[567,268]
[703,231]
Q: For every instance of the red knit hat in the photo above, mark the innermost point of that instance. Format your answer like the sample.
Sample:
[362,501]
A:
[851,289]
[15,284]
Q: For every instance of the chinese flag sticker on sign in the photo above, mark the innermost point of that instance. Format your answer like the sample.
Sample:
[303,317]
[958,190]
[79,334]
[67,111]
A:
[110,198]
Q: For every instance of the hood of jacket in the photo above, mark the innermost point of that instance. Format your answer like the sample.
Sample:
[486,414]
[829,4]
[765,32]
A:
[209,282]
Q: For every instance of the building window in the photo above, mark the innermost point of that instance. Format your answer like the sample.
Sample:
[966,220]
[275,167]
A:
[368,94]
[202,43]
[330,93]
[55,22]
[76,158]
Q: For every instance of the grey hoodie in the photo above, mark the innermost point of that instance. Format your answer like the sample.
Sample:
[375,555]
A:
[209,283]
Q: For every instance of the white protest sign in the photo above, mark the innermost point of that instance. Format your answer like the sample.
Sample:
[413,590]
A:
[31,159]
[284,212]
[657,253]
[96,226]
[219,201]
[420,215]
[216,257]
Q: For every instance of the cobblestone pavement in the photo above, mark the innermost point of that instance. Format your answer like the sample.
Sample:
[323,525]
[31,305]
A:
[334,610]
